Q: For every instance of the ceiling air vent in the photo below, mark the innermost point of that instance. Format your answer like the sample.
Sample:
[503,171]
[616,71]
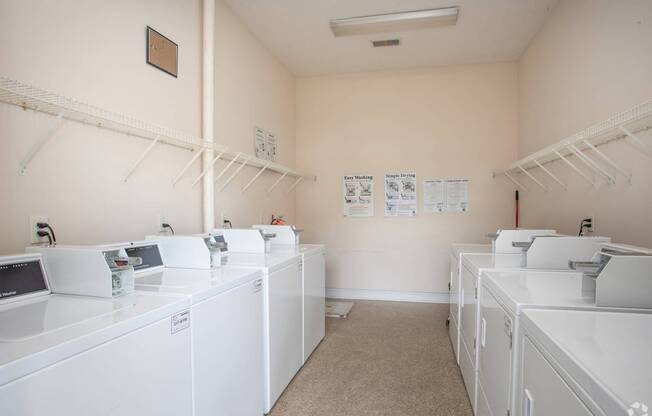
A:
[386,42]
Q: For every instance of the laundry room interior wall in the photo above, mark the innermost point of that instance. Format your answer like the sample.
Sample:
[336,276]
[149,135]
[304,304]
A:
[447,122]
[94,51]
[591,59]
[252,88]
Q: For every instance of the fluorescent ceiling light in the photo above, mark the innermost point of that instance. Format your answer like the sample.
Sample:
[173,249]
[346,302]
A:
[395,22]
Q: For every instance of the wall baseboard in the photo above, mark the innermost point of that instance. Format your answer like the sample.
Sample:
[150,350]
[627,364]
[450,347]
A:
[388,295]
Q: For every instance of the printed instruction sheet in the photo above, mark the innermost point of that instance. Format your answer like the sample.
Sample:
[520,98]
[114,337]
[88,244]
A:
[358,195]
[434,195]
[401,194]
[446,195]
[264,144]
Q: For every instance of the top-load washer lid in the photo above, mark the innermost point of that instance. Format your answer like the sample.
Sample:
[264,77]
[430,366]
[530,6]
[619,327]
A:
[606,353]
[267,263]
[38,332]
[459,248]
[478,262]
[303,249]
[197,284]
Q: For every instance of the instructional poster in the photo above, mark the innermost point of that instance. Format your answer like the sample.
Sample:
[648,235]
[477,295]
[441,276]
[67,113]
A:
[358,195]
[446,195]
[457,195]
[264,144]
[401,194]
[434,196]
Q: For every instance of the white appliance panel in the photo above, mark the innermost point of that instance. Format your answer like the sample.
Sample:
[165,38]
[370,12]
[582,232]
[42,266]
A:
[285,330]
[146,372]
[228,340]
[544,392]
[314,292]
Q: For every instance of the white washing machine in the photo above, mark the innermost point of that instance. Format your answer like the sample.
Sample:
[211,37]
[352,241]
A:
[226,315]
[546,252]
[80,355]
[313,275]
[586,363]
[454,284]
[282,306]
[505,296]
[313,281]
[282,323]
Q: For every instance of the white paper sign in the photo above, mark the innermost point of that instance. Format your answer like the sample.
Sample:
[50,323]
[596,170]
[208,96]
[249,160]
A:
[457,195]
[434,196]
[358,195]
[264,144]
[401,194]
[446,195]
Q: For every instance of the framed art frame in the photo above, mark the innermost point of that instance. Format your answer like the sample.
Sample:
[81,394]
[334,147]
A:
[162,53]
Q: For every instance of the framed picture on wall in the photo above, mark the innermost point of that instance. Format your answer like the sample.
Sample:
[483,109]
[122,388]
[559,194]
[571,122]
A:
[162,53]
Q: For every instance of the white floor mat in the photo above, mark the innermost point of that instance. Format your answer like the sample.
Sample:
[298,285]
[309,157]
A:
[338,309]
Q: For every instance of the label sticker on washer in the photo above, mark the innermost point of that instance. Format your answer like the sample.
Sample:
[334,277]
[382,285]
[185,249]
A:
[180,321]
[258,285]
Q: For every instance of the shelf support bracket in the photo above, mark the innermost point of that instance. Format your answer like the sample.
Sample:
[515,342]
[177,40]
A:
[533,178]
[555,178]
[141,158]
[294,185]
[609,161]
[575,168]
[234,174]
[517,183]
[260,172]
[22,171]
[277,182]
[590,163]
[187,166]
[223,171]
[636,142]
[207,168]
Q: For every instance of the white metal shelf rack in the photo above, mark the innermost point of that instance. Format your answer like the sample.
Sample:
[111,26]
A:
[626,125]
[66,108]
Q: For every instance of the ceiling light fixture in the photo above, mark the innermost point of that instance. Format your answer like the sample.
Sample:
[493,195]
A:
[395,22]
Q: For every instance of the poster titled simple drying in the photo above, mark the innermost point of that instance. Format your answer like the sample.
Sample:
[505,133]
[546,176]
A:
[401,194]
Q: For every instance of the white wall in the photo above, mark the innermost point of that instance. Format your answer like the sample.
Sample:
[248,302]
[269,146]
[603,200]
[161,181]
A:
[95,51]
[592,58]
[252,88]
[449,122]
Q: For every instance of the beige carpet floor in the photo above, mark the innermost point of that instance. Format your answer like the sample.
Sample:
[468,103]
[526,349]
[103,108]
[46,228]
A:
[386,358]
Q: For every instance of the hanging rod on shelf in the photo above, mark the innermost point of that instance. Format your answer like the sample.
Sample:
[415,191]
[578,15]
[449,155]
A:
[29,97]
[65,109]
[626,125]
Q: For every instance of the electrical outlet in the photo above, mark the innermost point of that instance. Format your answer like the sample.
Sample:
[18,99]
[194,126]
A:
[33,229]
[162,219]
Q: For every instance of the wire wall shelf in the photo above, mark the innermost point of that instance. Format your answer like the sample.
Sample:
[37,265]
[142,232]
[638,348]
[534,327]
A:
[583,147]
[66,109]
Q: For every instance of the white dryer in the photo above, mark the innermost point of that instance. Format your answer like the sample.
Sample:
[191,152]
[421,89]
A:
[586,363]
[81,355]
[505,296]
[545,252]
[454,289]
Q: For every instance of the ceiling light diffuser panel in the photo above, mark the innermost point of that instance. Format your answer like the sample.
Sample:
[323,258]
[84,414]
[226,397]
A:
[395,22]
